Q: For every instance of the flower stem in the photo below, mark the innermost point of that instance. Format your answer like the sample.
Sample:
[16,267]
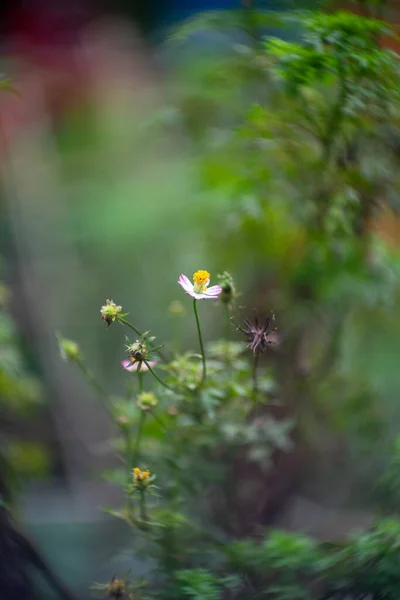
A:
[203,356]
[96,385]
[228,322]
[254,373]
[140,378]
[159,421]
[142,504]
[128,324]
[136,451]
[129,462]
[157,377]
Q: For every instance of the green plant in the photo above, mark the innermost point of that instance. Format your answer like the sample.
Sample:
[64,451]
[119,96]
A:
[303,163]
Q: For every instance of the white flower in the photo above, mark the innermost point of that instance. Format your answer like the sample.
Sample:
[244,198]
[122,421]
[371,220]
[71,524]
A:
[199,289]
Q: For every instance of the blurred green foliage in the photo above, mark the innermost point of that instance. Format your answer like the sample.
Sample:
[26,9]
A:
[20,395]
[298,146]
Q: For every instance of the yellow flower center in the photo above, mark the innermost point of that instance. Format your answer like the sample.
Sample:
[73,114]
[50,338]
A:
[140,475]
[201,280]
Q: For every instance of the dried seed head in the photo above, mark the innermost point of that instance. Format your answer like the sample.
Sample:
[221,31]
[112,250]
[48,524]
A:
[259,335]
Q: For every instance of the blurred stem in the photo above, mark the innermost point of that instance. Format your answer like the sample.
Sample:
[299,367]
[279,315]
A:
[136,451]
[250,24]
[159,421]
[203,356]
[140,376]
[96,385]
[128,324]
[157,377]
[142,504]
[255,374]
[129,461]
[228,322]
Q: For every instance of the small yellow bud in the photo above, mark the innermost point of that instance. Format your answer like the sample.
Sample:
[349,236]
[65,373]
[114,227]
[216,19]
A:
[141,479]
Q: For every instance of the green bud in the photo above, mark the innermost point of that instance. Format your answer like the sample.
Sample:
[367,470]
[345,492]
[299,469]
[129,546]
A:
[110,312]
[146,401]
[228,287]
[69,350]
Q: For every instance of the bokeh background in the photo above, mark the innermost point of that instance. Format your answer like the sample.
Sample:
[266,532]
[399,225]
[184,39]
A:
[102,198]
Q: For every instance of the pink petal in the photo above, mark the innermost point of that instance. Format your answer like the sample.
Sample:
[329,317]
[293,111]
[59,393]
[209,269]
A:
[133,367]
[214,291]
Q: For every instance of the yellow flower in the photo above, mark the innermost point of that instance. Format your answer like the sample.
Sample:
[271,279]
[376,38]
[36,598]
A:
[141,477]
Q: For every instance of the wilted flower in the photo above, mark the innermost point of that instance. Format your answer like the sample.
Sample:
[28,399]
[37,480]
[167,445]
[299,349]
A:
[123,421]
[199,289]
[146,401]
[69,350]
[228,287]
[259,336]
[133,366]
[110,312]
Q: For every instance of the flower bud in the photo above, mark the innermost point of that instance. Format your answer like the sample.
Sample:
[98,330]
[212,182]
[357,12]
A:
[146,401]
[141,479]
[116,589]
[138,351]
[69,350]
[228,287]
[110,312]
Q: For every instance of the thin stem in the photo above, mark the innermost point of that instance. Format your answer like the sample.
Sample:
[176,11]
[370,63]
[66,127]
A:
[157,377]
[128,324]
[228,322]
[254,373]
[203,356]
[140,378]
[136,451]
[142,503]
[129,461]
[98,388]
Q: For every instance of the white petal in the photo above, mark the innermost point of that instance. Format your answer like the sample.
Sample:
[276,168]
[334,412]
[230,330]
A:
[186,284]
[214,290]
[185,279]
